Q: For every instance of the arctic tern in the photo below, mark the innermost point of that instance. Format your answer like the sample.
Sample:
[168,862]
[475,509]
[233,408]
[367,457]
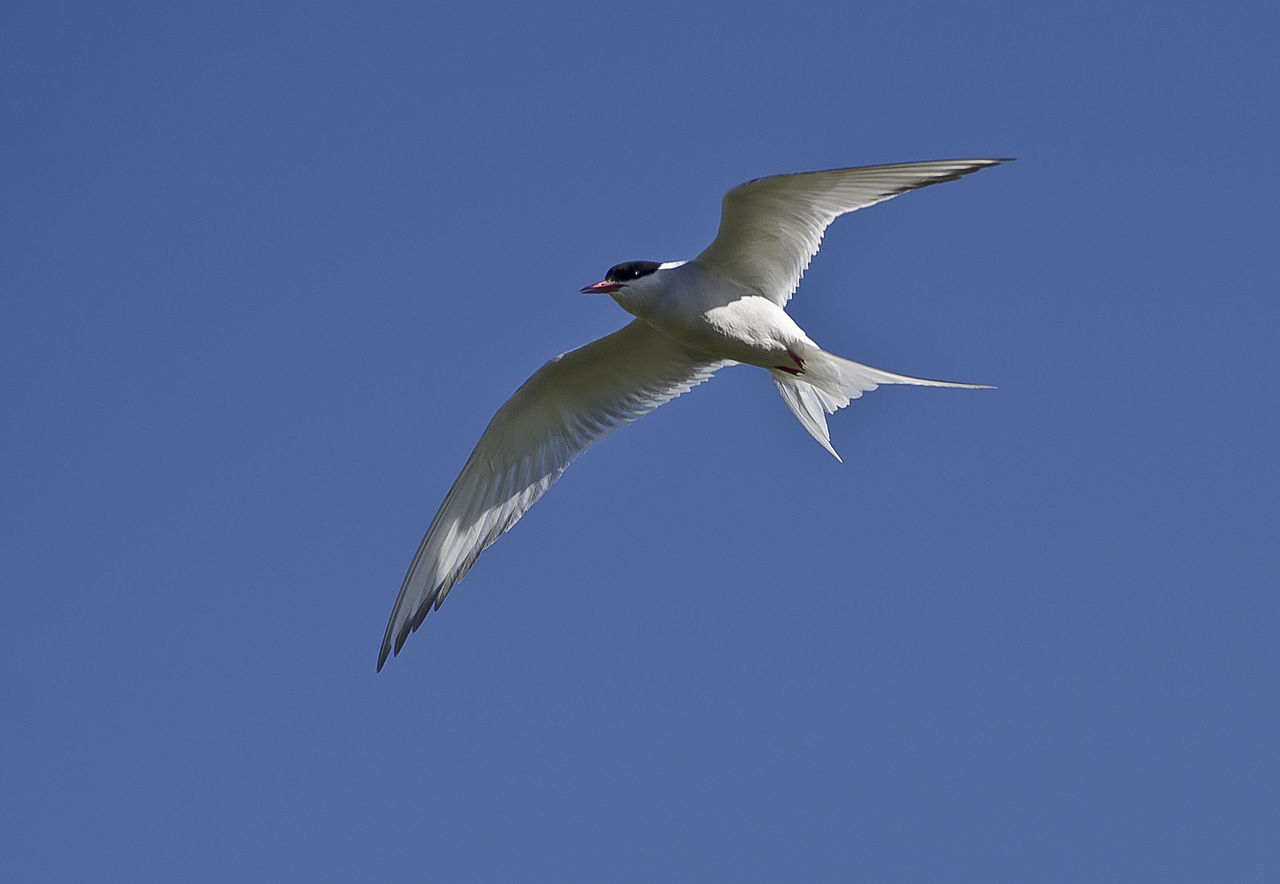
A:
[692,318]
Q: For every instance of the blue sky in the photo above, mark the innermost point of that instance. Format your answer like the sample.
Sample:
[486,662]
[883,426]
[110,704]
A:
[269,270]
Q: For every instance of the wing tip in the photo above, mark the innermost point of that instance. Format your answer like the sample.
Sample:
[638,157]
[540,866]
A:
[974,164]
[394,638]
[391,648]
[387,651]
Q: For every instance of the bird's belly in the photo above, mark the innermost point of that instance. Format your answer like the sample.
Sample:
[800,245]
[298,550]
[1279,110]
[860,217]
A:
[752,329]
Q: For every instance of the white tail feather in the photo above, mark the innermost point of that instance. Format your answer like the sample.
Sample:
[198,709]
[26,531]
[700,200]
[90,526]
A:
[808,403]
[829,382]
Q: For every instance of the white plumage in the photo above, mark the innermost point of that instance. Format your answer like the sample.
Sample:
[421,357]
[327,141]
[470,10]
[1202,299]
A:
[693,318]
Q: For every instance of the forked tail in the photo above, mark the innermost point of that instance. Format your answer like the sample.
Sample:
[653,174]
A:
[826,383]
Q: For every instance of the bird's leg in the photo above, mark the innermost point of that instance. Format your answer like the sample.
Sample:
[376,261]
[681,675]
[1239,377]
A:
[799,364]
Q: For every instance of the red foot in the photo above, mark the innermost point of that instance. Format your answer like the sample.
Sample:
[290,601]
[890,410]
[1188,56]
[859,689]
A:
[794,358]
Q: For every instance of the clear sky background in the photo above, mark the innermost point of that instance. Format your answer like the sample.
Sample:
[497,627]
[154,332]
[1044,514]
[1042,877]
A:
[268,270]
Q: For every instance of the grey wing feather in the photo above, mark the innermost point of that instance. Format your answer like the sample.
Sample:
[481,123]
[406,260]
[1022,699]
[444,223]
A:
[568,404]
[770,228]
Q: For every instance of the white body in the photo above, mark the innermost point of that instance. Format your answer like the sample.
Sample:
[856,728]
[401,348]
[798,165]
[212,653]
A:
[717,316]
[693,317]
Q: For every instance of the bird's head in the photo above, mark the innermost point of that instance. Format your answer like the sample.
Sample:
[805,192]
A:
[621,275]
[631,283]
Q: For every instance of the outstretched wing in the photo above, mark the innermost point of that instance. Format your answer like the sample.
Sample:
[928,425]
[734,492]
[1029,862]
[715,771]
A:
[770,228]
[569,403]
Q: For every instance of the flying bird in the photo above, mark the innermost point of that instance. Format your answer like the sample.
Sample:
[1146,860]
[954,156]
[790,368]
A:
[692,318]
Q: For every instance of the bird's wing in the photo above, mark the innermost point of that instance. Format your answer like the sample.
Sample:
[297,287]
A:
[569,403]
[770,228]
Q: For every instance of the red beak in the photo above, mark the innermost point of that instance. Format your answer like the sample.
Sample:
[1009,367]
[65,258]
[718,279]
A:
[603,287]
